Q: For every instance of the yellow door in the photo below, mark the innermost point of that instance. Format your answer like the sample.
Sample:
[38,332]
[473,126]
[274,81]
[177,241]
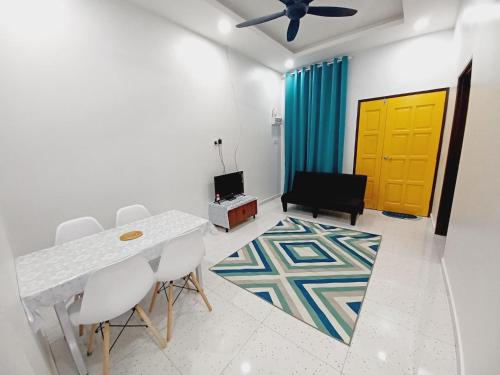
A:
[370,145]
[402,156]
[411,143]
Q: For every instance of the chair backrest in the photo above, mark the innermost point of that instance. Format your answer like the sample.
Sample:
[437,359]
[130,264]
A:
[77,228]
[129,214]
[114,290]
[181,256]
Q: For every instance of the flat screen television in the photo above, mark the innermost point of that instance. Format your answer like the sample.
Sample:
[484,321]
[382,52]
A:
[228,186]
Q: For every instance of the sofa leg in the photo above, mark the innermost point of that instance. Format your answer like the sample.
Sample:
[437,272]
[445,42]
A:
[361,210]
[353,218]
[315,213]
[285,206]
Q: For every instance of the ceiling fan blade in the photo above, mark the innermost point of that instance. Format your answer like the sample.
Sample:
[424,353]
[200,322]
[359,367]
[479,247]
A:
[331,11]
[293,29]
[262,19]
[288,2]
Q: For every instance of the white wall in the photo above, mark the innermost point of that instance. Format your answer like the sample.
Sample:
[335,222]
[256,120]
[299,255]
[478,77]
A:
[472,253]
[21,351]
[103,104]
[421,63]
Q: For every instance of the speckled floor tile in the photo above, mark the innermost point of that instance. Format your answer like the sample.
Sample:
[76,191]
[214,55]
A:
[268,353]
[383,347]
[308,338]
[204,342]
[404,327]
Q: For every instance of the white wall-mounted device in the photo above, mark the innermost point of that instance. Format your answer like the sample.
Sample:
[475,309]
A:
[276,118]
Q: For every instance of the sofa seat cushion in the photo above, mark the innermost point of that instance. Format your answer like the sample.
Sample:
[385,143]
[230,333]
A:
[297,198]
[347,204]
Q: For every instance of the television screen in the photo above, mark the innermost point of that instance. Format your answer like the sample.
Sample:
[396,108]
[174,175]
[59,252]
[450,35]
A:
[229,185]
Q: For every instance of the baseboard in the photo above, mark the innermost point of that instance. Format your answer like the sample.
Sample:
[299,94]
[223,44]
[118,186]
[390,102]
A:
[269,198]
[456,326]
[433,221]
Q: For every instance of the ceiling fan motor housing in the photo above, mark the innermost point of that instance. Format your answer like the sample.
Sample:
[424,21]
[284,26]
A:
[296,11]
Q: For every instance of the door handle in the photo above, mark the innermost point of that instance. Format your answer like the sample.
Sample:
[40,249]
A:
[387,157]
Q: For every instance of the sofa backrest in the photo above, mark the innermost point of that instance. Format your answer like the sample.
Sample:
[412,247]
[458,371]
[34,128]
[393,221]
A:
[346,185]
[343,185]
[304,182]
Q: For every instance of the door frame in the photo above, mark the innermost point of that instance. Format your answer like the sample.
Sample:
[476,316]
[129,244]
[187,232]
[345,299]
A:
[454,150]
[438,156]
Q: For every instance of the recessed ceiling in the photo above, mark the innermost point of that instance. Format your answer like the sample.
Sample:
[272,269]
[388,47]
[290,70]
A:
[315,30]
[378,22]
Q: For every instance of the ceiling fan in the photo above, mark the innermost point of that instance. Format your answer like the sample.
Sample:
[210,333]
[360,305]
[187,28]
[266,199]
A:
[295,10]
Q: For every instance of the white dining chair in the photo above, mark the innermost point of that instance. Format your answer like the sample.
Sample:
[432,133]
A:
[129,214]
[109,293]
[179,259]
[77,228]
[74,229]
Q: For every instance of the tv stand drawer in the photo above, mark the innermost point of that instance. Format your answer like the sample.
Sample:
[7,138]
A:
[228,214]
[240,214]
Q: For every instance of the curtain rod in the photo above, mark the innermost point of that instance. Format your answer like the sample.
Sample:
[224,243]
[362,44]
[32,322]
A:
[328,62]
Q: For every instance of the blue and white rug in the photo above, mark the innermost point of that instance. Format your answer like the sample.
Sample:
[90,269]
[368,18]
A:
[318,273]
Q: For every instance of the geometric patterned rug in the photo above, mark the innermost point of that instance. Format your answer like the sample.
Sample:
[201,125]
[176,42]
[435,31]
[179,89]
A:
[315,272]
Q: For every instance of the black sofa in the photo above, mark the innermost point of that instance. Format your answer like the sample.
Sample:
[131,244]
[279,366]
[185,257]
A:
[338,192]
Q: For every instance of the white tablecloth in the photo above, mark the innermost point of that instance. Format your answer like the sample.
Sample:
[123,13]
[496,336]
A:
[52,275]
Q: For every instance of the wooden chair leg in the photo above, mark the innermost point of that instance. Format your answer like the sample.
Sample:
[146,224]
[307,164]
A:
[202,293]
[90,343]
[152,329]
[81,328]
[105,350]
[153,298]
[170,315]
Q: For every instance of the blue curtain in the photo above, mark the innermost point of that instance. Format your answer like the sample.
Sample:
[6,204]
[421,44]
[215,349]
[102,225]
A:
[315,106]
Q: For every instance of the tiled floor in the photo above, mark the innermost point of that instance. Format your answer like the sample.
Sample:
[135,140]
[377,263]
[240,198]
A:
[404,327]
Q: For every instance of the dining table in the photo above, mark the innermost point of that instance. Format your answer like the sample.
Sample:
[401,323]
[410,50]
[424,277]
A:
[52,276]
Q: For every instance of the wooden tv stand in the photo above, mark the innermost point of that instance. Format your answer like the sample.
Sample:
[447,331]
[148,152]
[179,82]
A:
[228,214]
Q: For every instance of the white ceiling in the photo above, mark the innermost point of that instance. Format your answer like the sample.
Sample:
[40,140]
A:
[319,38]
[313,29]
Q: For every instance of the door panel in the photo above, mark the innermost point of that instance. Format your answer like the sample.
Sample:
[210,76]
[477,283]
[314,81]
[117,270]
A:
[372,117]
[411,143]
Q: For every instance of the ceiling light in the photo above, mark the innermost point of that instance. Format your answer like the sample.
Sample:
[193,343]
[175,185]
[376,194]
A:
[382,356]
[245,367]
[224,26]
[289,64]
[421,24]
